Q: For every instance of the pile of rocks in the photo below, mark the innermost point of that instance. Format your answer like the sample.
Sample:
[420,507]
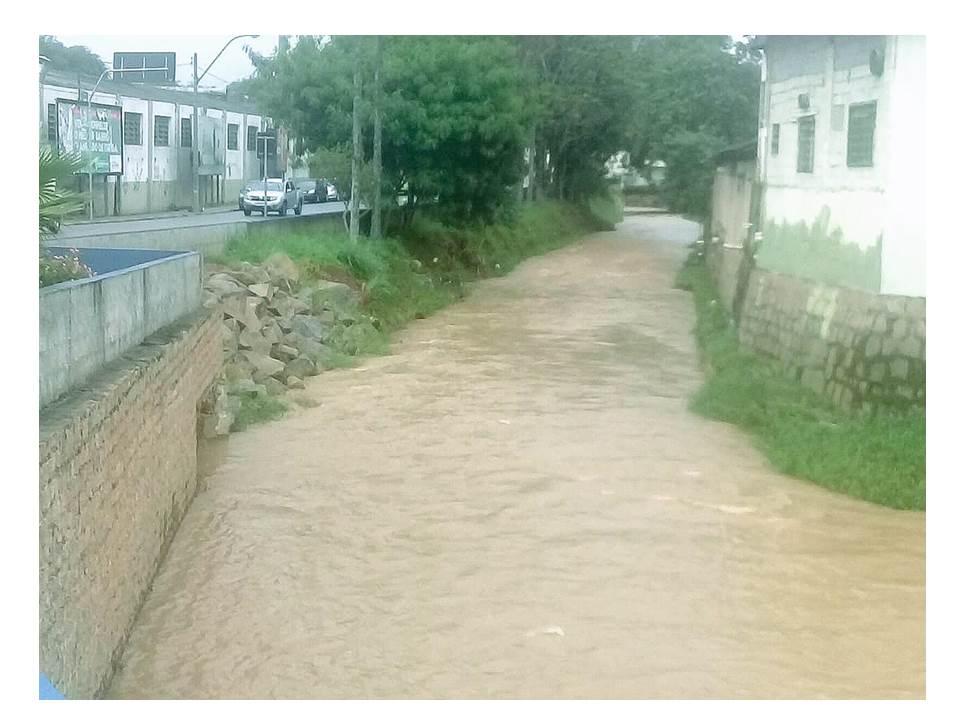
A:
[276,331]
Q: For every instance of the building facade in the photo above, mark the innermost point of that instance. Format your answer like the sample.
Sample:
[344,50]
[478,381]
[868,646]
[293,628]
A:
[157,128]
[817,234]
[841,161]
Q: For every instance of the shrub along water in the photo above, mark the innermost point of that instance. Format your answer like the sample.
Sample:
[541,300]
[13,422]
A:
[880,458]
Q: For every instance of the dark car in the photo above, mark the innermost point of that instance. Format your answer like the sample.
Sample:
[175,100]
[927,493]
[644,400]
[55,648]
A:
[313,191]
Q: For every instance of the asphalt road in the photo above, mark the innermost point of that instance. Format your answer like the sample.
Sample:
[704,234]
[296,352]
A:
[217,216]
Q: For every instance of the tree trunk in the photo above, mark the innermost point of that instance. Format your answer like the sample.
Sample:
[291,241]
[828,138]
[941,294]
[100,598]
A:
[532,165]
[357,150]
[375,229]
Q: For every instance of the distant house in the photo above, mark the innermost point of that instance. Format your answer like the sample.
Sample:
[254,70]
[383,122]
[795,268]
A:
[840,160]
[619,168]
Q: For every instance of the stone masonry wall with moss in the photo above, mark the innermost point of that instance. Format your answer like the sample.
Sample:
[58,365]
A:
[861,349]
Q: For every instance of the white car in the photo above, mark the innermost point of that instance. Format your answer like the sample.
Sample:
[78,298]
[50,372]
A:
[281,195]
[332,192]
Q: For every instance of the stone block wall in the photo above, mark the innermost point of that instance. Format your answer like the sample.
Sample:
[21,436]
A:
[861,349]
[118,469]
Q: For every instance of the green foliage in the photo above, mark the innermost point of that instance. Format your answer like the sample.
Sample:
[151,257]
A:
[57,201]
[452,106]
[255,409]
[697,95]
[73,59]
[61,268]
[879,458]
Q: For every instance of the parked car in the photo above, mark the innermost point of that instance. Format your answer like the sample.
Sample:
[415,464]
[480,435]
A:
[313,191]
[332,193]
[280,196]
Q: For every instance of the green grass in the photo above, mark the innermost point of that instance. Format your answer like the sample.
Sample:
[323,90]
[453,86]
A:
[878,458]
[257,409]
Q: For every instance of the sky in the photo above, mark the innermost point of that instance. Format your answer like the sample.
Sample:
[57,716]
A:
[232,65]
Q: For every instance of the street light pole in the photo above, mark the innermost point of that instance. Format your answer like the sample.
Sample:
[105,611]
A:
[195,140]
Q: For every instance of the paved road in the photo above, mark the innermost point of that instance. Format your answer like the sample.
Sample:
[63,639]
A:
[516,503]
[217,216]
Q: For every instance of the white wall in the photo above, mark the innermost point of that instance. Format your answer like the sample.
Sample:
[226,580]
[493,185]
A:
[883,201]
[854,196]
[904,254]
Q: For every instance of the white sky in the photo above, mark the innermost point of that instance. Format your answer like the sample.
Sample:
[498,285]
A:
[232,65]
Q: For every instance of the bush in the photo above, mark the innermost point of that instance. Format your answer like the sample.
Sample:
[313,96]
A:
[61,268]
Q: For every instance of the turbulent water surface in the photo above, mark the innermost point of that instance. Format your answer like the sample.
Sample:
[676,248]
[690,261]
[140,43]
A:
[516,503]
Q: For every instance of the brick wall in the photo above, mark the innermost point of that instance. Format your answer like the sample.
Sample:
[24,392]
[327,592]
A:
[861,349]
[118,465]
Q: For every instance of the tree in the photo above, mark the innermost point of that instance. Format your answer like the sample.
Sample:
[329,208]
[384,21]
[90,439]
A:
[73,59]
[698,94]
[452,113]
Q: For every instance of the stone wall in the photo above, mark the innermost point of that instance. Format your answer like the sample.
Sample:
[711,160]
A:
[861,349]
[118,469]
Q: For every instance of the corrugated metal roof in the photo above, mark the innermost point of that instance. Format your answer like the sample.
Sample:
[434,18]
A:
[149,92]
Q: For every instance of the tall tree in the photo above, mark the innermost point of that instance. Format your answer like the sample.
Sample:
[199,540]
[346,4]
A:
[73,59]
[375,228]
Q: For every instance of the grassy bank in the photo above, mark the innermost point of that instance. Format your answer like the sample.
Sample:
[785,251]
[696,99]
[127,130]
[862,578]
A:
[880,459]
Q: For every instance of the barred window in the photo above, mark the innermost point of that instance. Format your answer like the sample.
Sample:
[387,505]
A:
[775,140]
[186,132]
[806,134]
[52,123]
[131,128]
[251,138]
[233,131]
[860,131]
[161,131]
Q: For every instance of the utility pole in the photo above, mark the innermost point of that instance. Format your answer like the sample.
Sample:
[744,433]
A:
[375,229]
[195,140]
[355,164]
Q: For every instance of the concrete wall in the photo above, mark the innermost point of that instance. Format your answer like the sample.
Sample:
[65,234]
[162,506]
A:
[118,469]
[85,324]
[837,223]
[860,349]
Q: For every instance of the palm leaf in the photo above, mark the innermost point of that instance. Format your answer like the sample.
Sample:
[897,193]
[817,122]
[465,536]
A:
[57,200]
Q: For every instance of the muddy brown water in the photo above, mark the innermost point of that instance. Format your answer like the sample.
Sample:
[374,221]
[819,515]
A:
[516,503]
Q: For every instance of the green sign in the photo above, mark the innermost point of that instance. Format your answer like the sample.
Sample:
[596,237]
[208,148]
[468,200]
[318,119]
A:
[94,132]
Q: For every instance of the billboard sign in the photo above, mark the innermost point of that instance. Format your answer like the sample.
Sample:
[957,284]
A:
[159,68]
[212,156]
[105,145]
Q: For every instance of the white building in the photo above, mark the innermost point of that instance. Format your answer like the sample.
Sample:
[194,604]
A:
[841,160]
[156,128]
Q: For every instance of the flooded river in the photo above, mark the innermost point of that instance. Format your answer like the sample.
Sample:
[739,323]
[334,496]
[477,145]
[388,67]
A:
[517,504]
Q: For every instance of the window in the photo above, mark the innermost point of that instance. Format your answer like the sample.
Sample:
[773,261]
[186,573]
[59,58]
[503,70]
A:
[52,123]
[251,138]
[186,132]
[860,130]
[131,128]
[161,131]
[806,132]
[232,132]
[775,140]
